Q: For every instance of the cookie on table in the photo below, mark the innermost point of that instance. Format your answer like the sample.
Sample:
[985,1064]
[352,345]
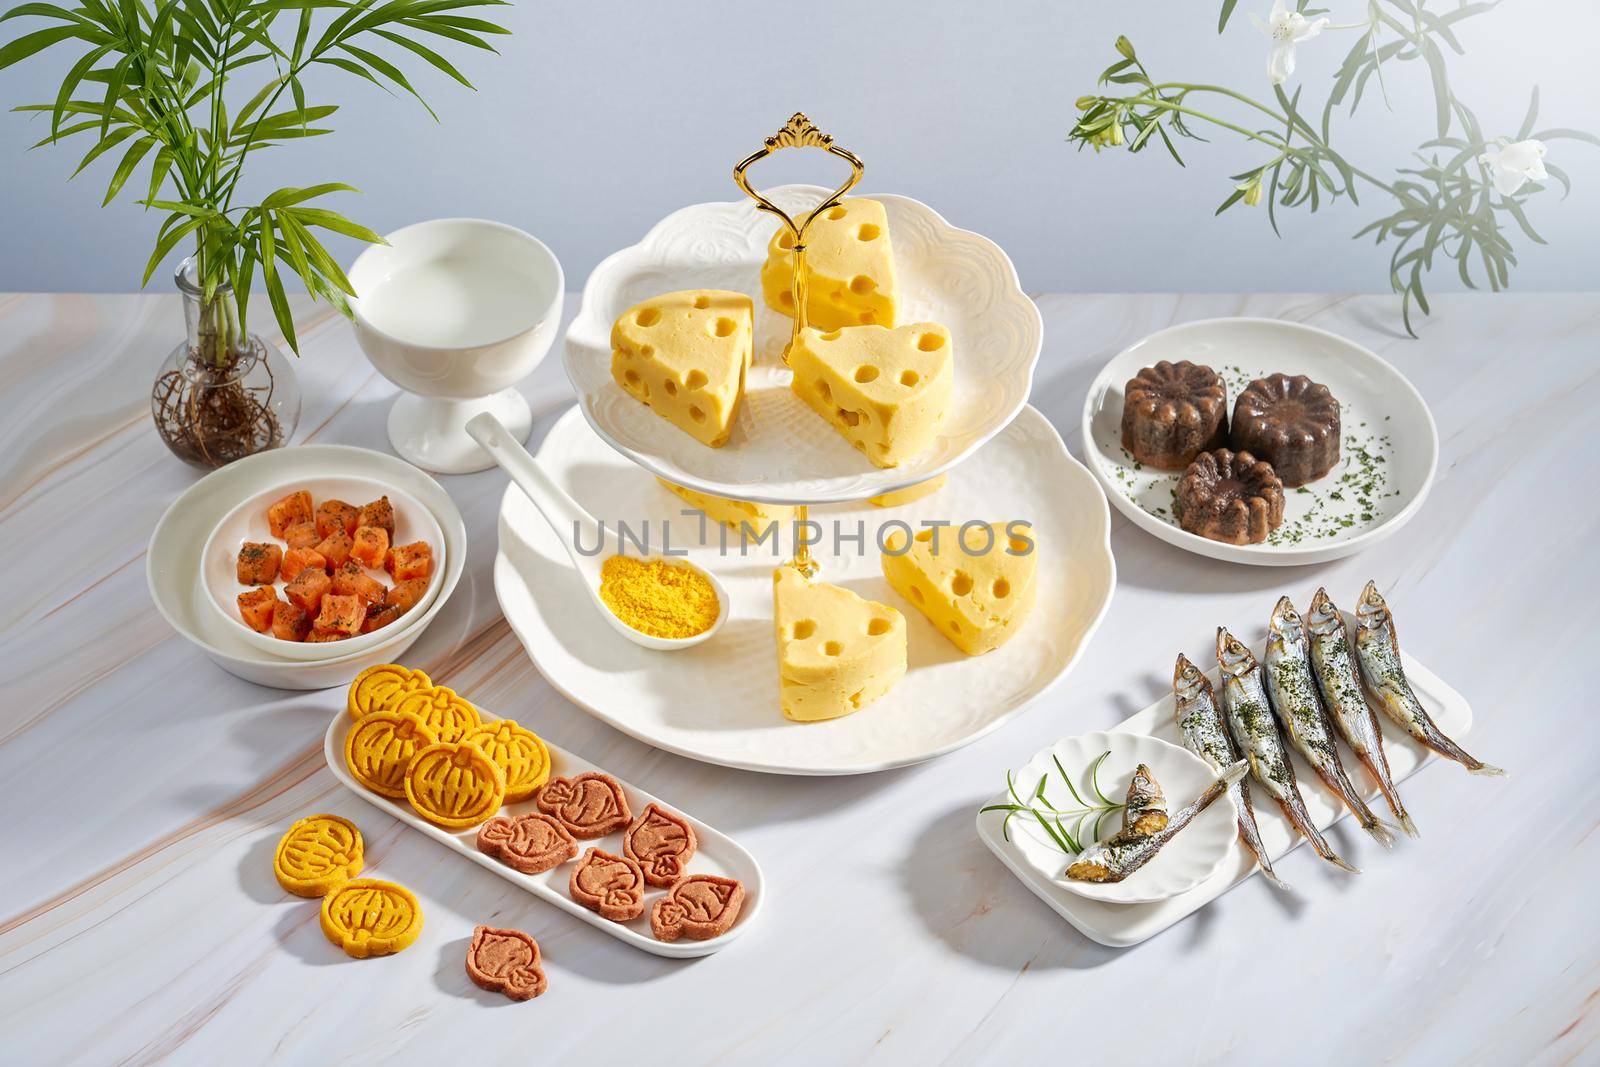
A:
[316,854]
[661,843]
[367,917]
[589,805]
[505,961]
[611,886]
[531,843]
[699,907]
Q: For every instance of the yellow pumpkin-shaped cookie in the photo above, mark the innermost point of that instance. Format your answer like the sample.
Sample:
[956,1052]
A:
[368,917]
[519,753]
[316,854]
[379,747]
[455,786]
[446,715]
[377,688]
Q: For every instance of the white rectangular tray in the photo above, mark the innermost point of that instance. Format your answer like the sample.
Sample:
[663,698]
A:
[716,853]
[1122,925]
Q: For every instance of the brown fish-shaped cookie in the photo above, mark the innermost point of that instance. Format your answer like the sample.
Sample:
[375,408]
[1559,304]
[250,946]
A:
[588,805]
[505,961]
[699,907]
[660,842]
[531,843]
[611,885]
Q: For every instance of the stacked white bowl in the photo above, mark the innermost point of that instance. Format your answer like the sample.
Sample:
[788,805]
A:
[190,565]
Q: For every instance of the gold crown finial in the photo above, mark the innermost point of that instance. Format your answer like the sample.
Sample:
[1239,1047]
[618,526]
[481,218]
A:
[799,132]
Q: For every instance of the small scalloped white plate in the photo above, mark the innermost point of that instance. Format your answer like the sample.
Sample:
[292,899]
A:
[1193,854]
[781,452]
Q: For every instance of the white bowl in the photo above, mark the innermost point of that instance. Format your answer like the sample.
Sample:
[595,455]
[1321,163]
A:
[179,540]
[781,452]
[1378,406]
[456,312]
[1193,854]
[248,522]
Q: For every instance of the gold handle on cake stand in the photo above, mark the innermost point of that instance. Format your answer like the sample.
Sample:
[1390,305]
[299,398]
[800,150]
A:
[798,132]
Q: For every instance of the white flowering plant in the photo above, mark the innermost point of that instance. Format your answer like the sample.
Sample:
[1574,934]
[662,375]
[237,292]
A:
[1460,198]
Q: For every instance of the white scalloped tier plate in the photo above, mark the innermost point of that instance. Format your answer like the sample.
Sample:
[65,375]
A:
[718,702]
[717,853]
[781,452]
[1122,925]
[1380,409]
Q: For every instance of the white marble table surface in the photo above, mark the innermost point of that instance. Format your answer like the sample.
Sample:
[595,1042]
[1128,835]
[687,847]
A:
[142,788]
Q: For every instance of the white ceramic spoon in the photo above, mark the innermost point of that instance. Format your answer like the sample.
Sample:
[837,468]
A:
[570,521]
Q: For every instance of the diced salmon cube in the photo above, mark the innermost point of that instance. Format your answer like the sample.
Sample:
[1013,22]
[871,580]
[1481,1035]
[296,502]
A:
[379,513]
[336,515]
[370,545]
[378,618]
[297,560]
[296,507]
[258,563]
[290,622]
[335,549]
[325,635]
[405,594]
[341,614]
[404,562]
[256,607]
[308,589]
[301,535]
[352,580]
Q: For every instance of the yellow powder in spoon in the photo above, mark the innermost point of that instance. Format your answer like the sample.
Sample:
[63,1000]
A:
[657,598]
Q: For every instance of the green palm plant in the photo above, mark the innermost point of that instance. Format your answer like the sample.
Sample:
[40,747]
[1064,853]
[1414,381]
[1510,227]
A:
[151,79]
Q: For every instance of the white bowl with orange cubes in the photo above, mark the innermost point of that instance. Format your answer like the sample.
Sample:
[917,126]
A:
[324,567]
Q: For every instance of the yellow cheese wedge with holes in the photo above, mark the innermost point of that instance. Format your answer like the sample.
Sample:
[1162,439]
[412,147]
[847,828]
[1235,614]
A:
[837,652]
[732,513]
[975,588]
[685,355]
[910,494]
[849,267]
[885,390]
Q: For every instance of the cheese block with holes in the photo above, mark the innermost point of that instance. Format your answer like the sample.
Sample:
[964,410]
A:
[976,586]
[849,267]
[686,355]
[885,390]
[837,652]
[910,494]
[733,514]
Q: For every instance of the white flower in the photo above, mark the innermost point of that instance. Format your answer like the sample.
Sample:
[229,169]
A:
[1286,29]
[1514,164]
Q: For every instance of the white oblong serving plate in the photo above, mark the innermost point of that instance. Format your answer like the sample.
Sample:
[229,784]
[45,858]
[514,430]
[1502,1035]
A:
[716,853]
[1193,854]
[180,536]
[1122,925]
[718,702]
[781,452]
[1381,413]
[248,522]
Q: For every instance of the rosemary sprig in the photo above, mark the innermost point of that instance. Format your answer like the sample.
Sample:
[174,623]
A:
[1054,820]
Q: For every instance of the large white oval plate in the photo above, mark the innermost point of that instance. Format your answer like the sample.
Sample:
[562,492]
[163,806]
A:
[718,702]
[781,451]
[1193,854]
[1388,433]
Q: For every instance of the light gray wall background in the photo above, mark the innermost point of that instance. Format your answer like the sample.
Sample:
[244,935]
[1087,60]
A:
[600,117]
